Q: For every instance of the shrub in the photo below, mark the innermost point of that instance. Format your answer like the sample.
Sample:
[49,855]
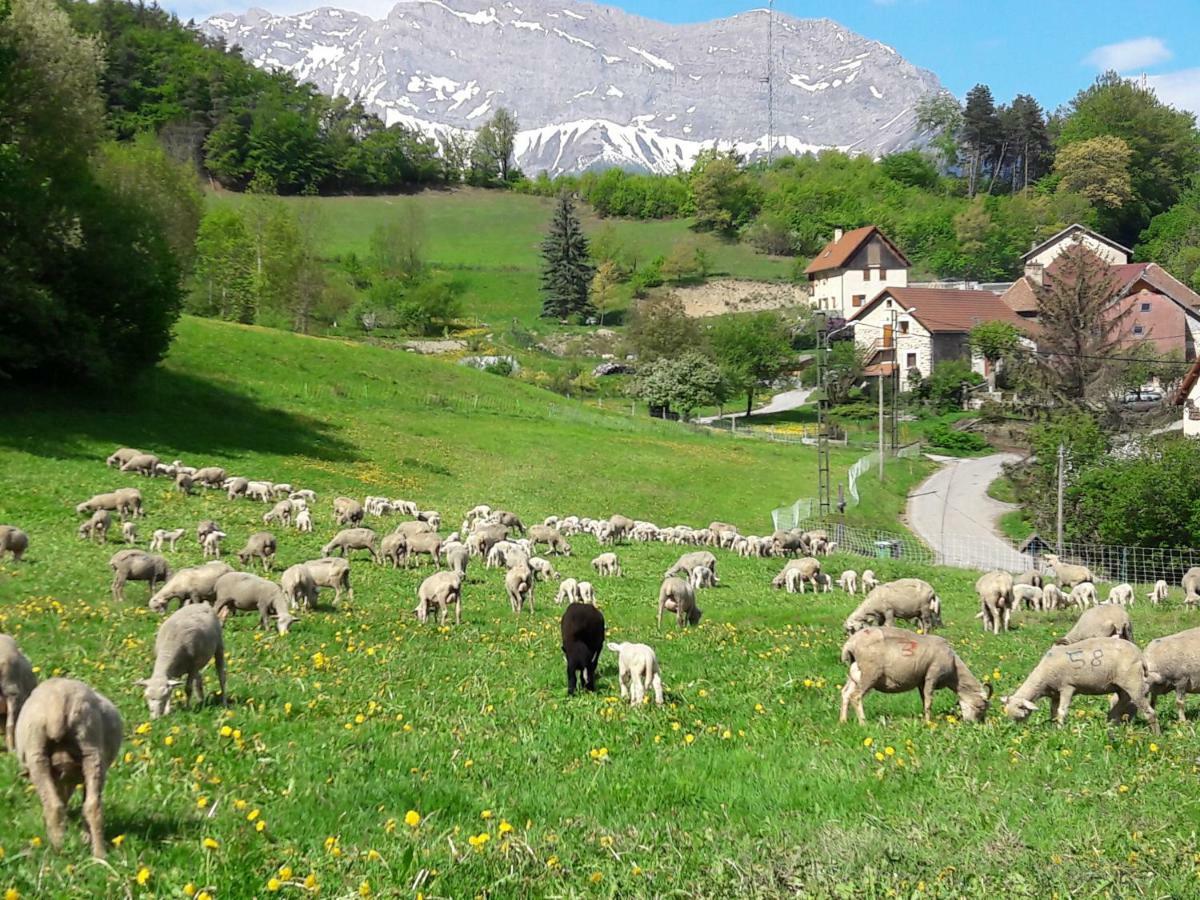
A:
[942,435]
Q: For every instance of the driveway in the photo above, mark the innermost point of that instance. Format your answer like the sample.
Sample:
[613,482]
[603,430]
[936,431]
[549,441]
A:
[953,514]
[781,402]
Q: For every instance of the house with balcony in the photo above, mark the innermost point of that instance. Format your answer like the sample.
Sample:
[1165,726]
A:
[853,268]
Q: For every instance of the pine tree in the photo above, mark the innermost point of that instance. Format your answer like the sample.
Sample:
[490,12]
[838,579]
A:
[567,268]
[980,133]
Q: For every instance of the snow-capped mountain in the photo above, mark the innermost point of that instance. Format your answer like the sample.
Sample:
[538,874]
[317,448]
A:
[593,86]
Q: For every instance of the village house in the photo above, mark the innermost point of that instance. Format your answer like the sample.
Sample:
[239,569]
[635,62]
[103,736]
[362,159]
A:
[1188,396]
[853,268]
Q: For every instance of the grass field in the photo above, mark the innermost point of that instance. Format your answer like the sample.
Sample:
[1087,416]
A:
[490,241]
[743,785]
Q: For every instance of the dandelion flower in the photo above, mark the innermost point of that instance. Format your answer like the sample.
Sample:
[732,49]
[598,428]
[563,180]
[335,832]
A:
[211,844]
[689,738]
[285,872]
[116,842]
[204,895]
[552,862]
[879,756]
[35,842]
[310,881]
[505,827]
[189,889]
[364,889]
[143,875]
[867,742]
[273,884]
[260,825]
[486,814]
[1154,748]
[889,751]
[12,894]
[596,877]
[412,818]
[226,731]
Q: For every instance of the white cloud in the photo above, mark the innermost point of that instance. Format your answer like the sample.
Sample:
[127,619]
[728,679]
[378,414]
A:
[1181,89]
[1132,54]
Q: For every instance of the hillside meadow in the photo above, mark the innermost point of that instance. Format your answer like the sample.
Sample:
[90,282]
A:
[365,755]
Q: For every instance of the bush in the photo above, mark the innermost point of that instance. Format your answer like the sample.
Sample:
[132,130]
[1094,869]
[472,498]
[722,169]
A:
[946,383]
[943,436]
[502,366]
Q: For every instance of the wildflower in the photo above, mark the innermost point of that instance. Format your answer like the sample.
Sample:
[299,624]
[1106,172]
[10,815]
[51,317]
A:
[726,734]
[204,895]
[889,751]
[201,802]
[552,862]
[364,889]
[239,805]
[252,815]
[505,828]
[285,872]
[412,818]
[373,855]
[310,881]
[35,842]
[211,844]
[144,728]
[867,742]
[260,826]
[1154,748]
[596,877]
[273,884]
[758,707]
[689,738]
[226,731]
[12,894]
[189,889]
[143,875]
[116,842]
[879,756]
[486,814]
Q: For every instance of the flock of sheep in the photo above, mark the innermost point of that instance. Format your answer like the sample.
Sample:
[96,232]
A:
[65,734]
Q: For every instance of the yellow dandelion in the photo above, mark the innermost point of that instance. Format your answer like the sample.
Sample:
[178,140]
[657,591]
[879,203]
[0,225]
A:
[143,875]
[1154,748]
[35,842]
[879,756]
[486,814]
[867,742]
[552,862]
[637,870]
[596,877]
[889,751]
[412,818]
[364,889]
[505,827]
[285,872]
[1123,789]
[226,731]
[144,728]
[260,826]
[211,844]
[116,842]
[204,895]
[189,889]
[12,894]
[373,855]
[273,884]
[689,738]
[310,881]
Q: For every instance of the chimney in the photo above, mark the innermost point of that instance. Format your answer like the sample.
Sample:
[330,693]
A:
[837,235]
[1035,272]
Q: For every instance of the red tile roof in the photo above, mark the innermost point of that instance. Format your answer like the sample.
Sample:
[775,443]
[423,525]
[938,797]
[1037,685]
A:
[943,311]
[837,253]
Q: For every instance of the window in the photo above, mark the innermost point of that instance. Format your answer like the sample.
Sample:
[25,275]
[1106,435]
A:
[1138,329]
[866,274]
[1145,307]
[858,299]
[904,326]
[910,360]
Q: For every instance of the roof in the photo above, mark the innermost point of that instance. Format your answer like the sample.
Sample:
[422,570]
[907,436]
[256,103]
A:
[1072,229]
[1124,278]
[947,311]
[838,252]
[1189,382]
[1020,297]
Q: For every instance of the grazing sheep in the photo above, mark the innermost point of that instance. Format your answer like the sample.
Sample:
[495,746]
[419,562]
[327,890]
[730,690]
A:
[582,629]
[211,544]
[125,501]
[281,489]
[483,539]
[440,590]
[1068,575]
[702,577]
[1172,664]
[1053,598]
[677,596]
[1191,586]
[242,591]
[1106,620]
[429,544]
[259,490]
[13,540]
[119,457]
[236,487]
[638,667]
[551,537]
[261,544]
[347,511]
[1122,594]
[504,555]
[893,660]
[1159,592]
[457,556]
[304,521]
[1028,595]
[1095,666]
[195,584]
[332,572]
[161,536]
[869,581]
[587,593]
[793,541]
[144,464]
[348,540]
[281,512]
[129,533]
[210,476]
[906,598]
[607,564]
[619,527]
[17,682]
[689,561]
[187,641]
[96,528]
[807,568]
[433,517]
[508,520]
[183,483]
[543,568]
[205,527]
[67,735]
[305,494]
[299,586]
[568,591]
[848,581]
[1030,577]
[1083,595]
[519,582]
[996,602]
[393,549]
[135,565]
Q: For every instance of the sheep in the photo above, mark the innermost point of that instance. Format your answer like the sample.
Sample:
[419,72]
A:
[906,598]
[505,554]
[607,564]
[259,490]
[332,572]
[483,539]
[1030,577]
[298,586]
[281,489]
[689,561]
[568,591]
[619,527]
[303,521]
[1106,620]
[1191,586]
[551,537]
[429,543]
[825,581]
[161,536]
[638,667]
[205,527]
[1172,663]
[260,544]
[869,581]
[135,565]
[347,511]
[210,476]
[848,582]
[1122,594]
[17,682]
[305,494]
[393,548]
[1032,597]
[195,584]
[1068,575]
[996,601]
[236,487]
[1083,595]
[702,577]
[1094,666]
[129,532]
[408,529]
[183,483]
[677,596]
[893,660]
[69,734]
[456,556]
[440,589]
[1158,593]
[582,629]
[793,541]
[433,517]
[119,457]
[96,528]
[187,641]
[125,501]
[212,543]
[519,582]
[587,593]
[246,592]
[281,512]
[348,540]
[13,540]
[543,568]
[144,464]
[1053,598]
[508,520]
[807,567]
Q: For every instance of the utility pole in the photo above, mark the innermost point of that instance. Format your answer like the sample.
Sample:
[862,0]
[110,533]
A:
[881,421]
[823,505]
[1062,455]
[895,399]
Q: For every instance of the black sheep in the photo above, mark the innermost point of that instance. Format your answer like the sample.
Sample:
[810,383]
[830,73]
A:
[582,641]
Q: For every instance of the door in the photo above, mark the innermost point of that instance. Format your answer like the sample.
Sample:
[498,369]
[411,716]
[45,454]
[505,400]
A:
[887,336]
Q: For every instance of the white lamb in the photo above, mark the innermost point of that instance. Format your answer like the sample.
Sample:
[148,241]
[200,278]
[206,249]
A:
[869,581]
[161,536]
[303,521]
[1159,593]
[638,672]
[1122,594]
[568,591]
[587,593]
[702,577]
[848,581]
[1083,595]
[212,543]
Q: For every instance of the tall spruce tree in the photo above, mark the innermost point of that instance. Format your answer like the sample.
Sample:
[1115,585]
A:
[567,268]
[980,133]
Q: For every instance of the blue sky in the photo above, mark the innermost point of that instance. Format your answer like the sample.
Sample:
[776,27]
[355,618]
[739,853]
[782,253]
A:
[1048,48]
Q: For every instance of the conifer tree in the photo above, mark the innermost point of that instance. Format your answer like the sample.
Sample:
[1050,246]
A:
[567,268]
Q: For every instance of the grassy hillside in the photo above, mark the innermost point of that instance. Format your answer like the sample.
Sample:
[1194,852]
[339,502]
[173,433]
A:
[491,240]
[742,785]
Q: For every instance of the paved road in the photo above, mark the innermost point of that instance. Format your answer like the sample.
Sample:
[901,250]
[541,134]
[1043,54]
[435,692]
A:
[781,402]
[953,514]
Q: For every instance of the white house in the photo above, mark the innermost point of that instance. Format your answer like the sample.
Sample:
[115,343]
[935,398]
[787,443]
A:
[853,268]
[1189,398]
[1043,254]
[913,329]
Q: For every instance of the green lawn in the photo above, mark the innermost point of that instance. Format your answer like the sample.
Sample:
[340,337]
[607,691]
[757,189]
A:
[490,241]
[743,785]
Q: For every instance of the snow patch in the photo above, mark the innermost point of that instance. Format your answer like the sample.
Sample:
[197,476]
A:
[657,61]
[612,59]
[483,17]
[480,109]
[573,39]
[324,54]
[531,26]
[875,92]
[573,15]
[614,91]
